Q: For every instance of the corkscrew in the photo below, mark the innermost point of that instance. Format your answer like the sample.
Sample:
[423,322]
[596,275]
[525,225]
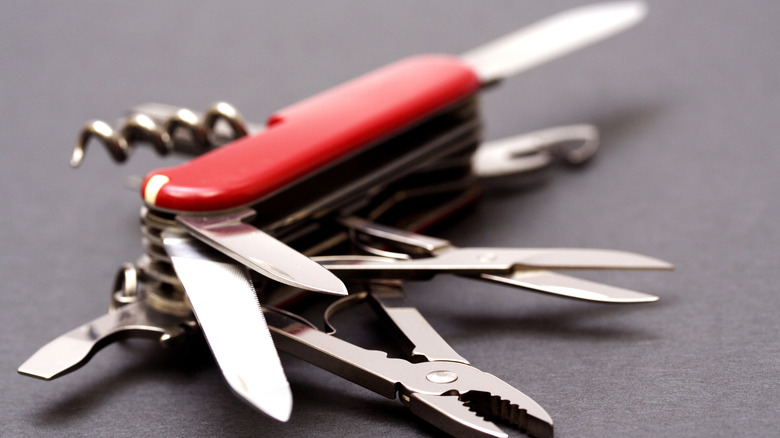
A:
[166,129]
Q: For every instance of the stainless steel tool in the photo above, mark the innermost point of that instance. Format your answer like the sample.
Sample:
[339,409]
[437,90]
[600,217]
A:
[399,146]
[422,257]
[438,385]
[553,37]
[226,305]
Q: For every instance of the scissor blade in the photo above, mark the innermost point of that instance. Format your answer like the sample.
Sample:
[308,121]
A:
[477,261]
[552,38]
[226,307]
[261,252]
[569,287]
[538,258]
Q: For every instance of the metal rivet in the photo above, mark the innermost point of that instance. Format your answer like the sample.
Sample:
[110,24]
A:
[442,376]
[487,257]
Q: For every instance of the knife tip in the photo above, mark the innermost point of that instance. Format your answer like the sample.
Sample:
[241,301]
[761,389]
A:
[340,289]
[276,402]
[624,14]
[282,407]
[326,284]
[632,9]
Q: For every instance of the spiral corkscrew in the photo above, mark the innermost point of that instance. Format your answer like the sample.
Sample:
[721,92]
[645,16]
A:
[162,132]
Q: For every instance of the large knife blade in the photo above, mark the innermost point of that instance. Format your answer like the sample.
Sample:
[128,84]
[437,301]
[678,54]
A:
[551,38]
[226,307]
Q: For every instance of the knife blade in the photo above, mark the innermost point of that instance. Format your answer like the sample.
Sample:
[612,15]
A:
[551,38]
[227,309]
[261,252]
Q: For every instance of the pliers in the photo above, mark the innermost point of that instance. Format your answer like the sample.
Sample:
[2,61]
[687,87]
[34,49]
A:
[436,383]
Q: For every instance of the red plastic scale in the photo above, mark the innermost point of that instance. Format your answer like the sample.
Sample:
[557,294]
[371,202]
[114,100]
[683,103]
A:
[306,136]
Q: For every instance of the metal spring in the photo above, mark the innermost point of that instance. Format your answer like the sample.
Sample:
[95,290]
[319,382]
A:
[161,134]
[162,288]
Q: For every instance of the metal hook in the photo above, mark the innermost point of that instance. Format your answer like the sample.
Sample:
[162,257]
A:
[574,144]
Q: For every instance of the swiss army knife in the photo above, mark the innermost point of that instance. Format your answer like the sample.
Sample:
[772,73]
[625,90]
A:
[329,197]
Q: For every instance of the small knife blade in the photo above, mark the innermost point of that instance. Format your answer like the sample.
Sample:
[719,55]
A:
[261,252]
[226,307]
[552,38]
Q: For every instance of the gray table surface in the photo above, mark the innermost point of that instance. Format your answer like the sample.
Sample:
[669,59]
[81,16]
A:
[688,105]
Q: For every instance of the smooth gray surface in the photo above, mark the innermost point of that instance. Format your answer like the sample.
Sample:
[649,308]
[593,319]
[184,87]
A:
[688,104]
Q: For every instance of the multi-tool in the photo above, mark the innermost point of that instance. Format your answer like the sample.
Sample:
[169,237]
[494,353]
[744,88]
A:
[328,196]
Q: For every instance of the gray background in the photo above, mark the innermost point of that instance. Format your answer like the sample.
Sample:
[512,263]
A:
[688,104]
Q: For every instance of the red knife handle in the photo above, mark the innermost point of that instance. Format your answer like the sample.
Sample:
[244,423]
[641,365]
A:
[311,134]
